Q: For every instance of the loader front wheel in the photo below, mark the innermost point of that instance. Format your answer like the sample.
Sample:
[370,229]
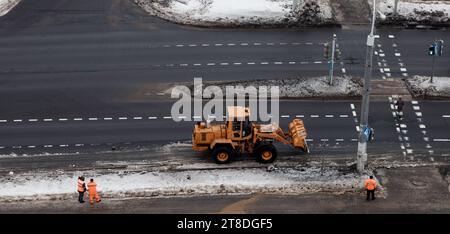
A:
[266,153]
[222,154]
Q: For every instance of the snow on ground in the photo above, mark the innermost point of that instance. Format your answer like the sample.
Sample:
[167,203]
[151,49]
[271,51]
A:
[315,87]
[416,10]
[62,185]
[420,86]
[239,12]
[7,5]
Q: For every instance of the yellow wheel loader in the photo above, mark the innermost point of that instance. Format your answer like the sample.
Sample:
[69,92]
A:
[239,135]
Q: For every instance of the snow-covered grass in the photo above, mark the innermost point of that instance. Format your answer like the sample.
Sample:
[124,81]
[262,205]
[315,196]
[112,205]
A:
[311,87]
[420,86]
[416,10]
[239,12]
[61,185]
[7,5]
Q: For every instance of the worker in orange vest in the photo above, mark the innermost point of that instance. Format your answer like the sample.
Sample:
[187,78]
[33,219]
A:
[81,189]
[92,186]
[370,185]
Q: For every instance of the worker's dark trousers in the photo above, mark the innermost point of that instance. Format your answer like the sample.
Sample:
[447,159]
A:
[80,197]
[369,193]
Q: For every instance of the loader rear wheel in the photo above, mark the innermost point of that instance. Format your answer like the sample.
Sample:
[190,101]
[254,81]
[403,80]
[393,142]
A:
[222,154]
[266,153]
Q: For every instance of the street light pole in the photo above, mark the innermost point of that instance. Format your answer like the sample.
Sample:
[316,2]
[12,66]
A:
[361,157]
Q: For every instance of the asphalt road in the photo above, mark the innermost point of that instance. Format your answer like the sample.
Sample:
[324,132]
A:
[73,73]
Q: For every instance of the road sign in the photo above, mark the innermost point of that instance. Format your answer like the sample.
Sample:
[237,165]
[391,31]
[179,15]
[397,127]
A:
[368,133]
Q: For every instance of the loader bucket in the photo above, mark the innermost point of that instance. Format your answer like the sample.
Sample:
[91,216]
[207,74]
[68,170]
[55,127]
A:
[297,132]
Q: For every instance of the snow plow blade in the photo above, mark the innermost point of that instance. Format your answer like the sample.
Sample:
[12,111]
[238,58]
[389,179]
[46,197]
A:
[298,134]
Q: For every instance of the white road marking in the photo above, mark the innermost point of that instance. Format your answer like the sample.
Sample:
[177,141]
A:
[391,36]
[211,64]
[63,145]
[167,117]
[31,146]
[224,64]
[441,140]
[409,151]
[152,117]
[416,107]
[285,116]
[192,45]
[264,63]
[183,65]
[93,119]
[123,118]
[329,116]
[343,70]
[323,139]
[79,145]
[205,45]
[237,63]
[179,45]
[107,118]
[257,44]
[357,128]
[446,116]
[419,114]
[317,62]
[387,69]
[244,44]
[78,119]
[278,63]
[251,63]
[382,55]
[352,106]
[47,120]
[32,120]
[231,44]
[197,64]
[397,54]
[339,139]
[137,118]
[354,113]
[62,119]
[17,120]
[314,116]
[300,116]
[403,69]
[304,62]
[403,126]
[218,44]
[415,102]
[343,116]
[291,62]
[48,146]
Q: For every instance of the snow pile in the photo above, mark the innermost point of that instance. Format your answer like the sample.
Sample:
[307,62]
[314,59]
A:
[424,12]
[175,147]
[315,87]
[61,185]
[7,5]
[241,12]
[420,86]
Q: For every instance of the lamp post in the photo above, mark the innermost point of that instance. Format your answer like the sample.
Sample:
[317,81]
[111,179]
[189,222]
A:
[361,157]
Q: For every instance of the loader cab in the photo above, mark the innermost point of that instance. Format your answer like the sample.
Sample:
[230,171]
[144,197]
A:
[238,123]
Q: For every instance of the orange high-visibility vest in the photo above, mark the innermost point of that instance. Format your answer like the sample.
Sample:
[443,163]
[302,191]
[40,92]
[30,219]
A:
[92,187]
[370,184]
[80,186]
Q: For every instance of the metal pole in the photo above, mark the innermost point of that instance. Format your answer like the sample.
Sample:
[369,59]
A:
[361,157]
[432,70]
[333,48]
[395,7]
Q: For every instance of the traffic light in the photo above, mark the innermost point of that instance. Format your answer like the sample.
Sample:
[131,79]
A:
[326,51]
[337,54]
[432,50]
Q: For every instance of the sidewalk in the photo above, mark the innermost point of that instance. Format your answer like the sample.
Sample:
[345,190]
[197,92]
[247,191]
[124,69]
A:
[409,190]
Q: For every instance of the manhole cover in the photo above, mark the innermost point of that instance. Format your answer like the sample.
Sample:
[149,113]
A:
[419,183]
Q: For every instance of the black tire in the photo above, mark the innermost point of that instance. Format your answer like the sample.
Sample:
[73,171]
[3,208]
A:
[222,154]
[266,153]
